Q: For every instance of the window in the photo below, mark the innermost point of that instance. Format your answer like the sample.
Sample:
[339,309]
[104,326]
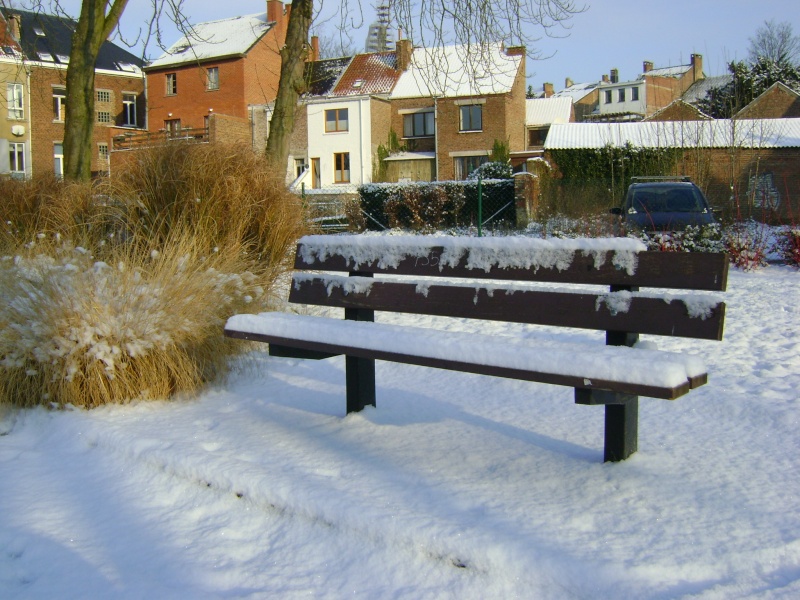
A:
[59,104]
[299,166]
[58,159]
[103,116]
[621,95]
[608,96]
[635,94]
[464,165]
[172,84]
[173,127]
[16,158]
[341,167]
[212,78]
[472,117]
[102,151]
[103,96]
[14,99]
[129,109]
[336,120]
[418,125]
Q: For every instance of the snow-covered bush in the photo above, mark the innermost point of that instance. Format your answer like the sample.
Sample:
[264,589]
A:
[492,170]
[119,290]
[788,245]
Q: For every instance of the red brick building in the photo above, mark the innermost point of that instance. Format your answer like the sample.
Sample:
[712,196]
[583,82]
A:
[226,67]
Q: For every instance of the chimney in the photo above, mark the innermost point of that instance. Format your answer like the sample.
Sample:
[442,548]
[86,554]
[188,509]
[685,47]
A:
[697,67]
[275,11]
[647,66]
[402,50]
[605,78]
[515,51]
[314,47]
[614,76]
[548,90]
[568,82]
[14,26]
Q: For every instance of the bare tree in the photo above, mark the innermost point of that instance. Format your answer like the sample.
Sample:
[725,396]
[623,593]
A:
[775,42]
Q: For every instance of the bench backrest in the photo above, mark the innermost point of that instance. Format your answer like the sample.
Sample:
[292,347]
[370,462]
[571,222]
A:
[437,276]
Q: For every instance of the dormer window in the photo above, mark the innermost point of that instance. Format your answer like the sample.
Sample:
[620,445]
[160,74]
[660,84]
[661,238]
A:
[358,83]
[46,57]
[38,31]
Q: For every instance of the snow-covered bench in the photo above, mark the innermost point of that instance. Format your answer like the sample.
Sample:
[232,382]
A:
[507,279]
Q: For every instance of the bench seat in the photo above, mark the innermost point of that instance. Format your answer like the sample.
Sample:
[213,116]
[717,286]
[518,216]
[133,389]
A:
[637,371]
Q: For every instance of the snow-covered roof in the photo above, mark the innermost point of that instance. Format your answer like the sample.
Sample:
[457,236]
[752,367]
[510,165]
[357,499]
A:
[700,88]
[216,39]
[453,71]
[544,111]
[412,156]
[576,91]
[721,133]
[373,73]
[668,71]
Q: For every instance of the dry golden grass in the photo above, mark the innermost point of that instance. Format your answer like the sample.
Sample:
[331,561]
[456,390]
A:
[120,291]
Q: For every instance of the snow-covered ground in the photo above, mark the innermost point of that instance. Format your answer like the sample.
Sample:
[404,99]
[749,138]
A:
[456,486]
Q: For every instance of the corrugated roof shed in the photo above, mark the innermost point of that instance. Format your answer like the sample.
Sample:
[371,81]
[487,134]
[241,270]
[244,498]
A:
[721,133]
[215,39]
[453,71]
[544,111]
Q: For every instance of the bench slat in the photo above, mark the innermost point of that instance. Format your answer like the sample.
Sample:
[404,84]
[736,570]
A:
[638,371]
[543,307]
[674,270]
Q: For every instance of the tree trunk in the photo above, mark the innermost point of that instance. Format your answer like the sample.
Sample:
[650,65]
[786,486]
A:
[291,83]
[94,27]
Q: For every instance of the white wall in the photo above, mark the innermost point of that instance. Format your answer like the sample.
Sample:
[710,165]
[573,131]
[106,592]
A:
[629,106]
[356,140]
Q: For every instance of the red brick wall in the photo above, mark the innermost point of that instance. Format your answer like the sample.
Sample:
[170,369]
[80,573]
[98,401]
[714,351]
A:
[45,131]
[775,103]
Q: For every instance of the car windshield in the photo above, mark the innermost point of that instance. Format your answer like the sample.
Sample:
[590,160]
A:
[653,200]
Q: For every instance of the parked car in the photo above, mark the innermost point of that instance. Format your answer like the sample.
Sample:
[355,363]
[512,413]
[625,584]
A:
[664,204]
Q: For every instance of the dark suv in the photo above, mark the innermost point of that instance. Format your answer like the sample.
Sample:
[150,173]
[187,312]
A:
[664,204]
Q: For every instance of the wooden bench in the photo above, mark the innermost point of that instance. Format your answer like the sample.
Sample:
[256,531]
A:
[512,280]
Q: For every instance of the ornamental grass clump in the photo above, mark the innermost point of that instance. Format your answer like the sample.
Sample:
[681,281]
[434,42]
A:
[112,295]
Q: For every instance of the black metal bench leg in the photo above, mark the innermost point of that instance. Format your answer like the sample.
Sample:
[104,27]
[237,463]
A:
[622,430]
[360,378]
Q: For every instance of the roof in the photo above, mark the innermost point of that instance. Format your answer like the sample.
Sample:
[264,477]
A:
[322,75]
[544,111]
[373,73]
[576,91]
[700,88]
[215,40]
[675,72]
[454,71]
[720,133]
[48,39]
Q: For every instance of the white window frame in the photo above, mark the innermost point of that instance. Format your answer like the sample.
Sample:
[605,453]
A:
[58,159]
[102,151]
[59,104]
[15,95]
[171,80]
[129,109]
[16,157]
[104,117]
[212,79]
[104,96]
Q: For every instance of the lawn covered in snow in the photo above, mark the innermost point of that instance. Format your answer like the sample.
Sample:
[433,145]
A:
[455,486]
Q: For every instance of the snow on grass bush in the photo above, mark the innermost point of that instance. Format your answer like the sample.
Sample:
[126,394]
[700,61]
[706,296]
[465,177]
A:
[119,290]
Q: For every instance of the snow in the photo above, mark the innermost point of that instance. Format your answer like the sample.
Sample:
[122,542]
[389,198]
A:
[455,486]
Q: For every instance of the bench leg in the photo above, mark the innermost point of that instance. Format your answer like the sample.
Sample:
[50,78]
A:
[622,430]
[360,379]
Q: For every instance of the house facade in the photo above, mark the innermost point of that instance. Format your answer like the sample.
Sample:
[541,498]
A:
[15,129]
[223,67]
[44,43]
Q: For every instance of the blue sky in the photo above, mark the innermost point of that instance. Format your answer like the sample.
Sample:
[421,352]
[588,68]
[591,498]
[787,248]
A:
[610,34]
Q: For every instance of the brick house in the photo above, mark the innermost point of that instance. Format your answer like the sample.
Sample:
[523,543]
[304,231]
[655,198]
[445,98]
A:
[224,68]
[621,101]
[451,104]
[777,102]
[15,127]
[45,42]
[584,97]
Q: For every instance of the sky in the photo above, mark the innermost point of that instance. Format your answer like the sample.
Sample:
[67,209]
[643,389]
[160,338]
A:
[610,34]
[454,486]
